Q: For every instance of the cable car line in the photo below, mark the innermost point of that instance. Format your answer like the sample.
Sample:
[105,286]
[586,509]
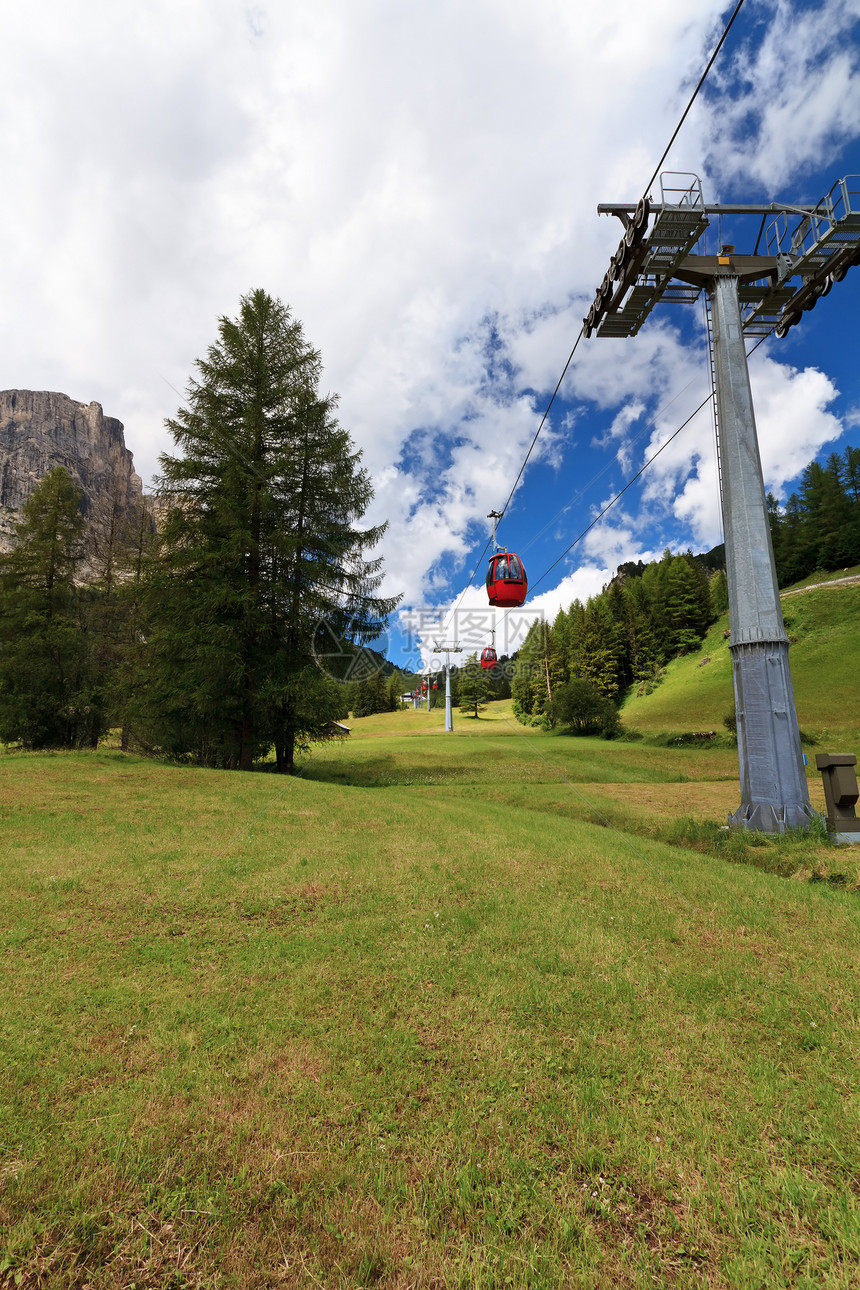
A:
[519,476]
[694,96]
[650,424]
[629,483]
[666,152]
[632,481]
[542,420]
[579,337]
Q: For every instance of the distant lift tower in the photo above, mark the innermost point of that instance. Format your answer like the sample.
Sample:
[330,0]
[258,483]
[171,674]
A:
[442,647]
[808,249]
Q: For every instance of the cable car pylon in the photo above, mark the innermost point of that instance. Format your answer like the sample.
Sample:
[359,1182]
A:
[443,647]
[749,295]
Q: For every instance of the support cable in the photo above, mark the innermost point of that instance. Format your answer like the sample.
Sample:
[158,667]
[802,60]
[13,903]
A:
[543,419]
[694,96]
[620,494]
[666,151]
[649,425]
[632,480]
[520,474]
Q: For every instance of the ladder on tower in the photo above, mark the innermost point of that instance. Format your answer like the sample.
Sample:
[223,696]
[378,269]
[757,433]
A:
[709,322]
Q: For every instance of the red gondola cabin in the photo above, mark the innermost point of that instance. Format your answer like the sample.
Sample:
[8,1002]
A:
[488,657]
[507,584]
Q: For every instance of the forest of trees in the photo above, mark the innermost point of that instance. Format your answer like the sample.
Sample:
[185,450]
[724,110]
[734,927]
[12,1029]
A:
[624,636]
[198,640]
[819,526]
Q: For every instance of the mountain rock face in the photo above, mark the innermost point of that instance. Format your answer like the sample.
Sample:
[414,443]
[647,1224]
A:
[40,430]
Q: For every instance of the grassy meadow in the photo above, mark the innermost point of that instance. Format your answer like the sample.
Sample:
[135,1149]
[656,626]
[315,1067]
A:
[823,625]
[497,1008]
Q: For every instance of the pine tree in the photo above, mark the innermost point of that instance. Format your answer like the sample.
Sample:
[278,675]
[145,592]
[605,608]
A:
[117,538]
[394,691]
[851,469]
[261,550]
[793,554]
[559,652]
[50,692]
[719,590]
[598,649]
[379,693]
[474,688]
[687,602]
[531,687]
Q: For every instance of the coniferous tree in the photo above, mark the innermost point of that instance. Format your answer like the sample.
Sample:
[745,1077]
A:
[394,691]
[600,648]
[531,688]
[128,644]
[474,688]
[828,512]
[719,591]
[642,651]
[379,693]
[559,650]
[687,602]
[261,549]
[50,690]
[851,470]
[118,536]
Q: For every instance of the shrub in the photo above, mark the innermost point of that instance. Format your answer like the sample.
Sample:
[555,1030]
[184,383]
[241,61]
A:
[580,707]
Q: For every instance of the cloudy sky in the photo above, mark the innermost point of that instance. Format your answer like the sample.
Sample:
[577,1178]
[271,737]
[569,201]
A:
[418,180]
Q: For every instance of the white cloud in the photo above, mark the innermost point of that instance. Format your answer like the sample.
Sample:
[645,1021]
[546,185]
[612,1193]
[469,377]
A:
[792,424]
[467,619]
[791,100]
[394,172]
[419,183]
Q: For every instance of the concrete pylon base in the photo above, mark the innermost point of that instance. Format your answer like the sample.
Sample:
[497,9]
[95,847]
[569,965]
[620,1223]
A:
[774,793]
[766,818]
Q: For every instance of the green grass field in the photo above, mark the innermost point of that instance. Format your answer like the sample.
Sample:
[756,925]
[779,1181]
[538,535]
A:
[497,1008]
[824,628]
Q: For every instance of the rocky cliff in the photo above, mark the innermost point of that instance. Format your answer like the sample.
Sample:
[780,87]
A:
[40,430]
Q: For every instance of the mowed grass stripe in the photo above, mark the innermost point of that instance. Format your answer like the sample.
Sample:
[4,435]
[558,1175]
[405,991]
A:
[280,1032]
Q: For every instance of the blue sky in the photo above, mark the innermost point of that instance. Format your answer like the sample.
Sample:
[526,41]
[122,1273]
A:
[779,124]
[419,182]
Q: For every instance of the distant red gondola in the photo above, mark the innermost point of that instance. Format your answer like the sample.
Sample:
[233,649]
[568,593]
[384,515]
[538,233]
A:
[507,584]
[488,657]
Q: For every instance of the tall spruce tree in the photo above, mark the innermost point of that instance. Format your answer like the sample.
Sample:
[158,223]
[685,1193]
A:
[531,687]
[475,690]
[51,694]
[261,545]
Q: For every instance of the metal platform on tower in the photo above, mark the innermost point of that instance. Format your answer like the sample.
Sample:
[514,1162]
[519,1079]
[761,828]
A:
[808,248]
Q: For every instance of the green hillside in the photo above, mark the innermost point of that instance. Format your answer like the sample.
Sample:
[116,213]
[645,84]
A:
[823,624]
